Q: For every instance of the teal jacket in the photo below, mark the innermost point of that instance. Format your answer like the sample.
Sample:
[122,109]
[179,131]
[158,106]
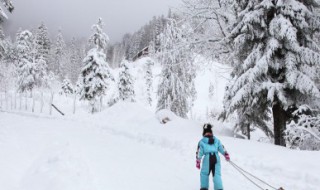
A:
[205,147]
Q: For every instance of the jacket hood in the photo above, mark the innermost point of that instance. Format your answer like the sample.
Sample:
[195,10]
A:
[208,139]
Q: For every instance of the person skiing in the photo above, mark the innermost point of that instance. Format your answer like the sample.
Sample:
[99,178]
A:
[207,151]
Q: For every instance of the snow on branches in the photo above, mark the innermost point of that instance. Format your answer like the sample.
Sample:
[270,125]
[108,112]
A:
[125,85]
[303,131]
[274,51]
[176,90]
[95,74]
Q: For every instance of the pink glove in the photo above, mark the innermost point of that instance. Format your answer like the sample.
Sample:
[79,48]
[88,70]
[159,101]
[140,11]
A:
[198,164]
[226,155]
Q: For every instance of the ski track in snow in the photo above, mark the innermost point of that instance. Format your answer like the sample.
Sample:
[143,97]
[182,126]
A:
[132,150]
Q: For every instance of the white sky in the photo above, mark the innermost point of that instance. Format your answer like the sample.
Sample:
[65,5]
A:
[76,17]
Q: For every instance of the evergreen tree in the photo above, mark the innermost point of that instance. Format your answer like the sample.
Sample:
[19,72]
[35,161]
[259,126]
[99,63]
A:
[9,6]
[149,81]
[95,75]
[99,39]
[134,46]
[26,68]
[126,88]
[67,87]
[76,55]
[274,58]
[3,44]
[176,90]
[59,54]
[42,43]
[40,54]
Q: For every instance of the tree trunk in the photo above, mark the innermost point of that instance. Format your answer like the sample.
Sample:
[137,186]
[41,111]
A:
[279,123]
[74,103]
[248,131]
[33,101]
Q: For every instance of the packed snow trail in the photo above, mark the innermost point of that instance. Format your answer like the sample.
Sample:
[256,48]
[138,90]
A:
[132,150]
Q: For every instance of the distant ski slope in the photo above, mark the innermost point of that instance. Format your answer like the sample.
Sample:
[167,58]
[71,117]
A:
[125,147]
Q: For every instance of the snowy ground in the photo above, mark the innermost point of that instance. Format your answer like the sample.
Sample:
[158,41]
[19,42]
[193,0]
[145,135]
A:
[125,147]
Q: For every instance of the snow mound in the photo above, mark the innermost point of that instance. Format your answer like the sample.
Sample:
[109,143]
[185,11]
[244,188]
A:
[46,171]
[164,116]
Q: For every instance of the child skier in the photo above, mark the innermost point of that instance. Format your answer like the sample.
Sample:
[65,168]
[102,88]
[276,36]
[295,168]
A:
[208,149]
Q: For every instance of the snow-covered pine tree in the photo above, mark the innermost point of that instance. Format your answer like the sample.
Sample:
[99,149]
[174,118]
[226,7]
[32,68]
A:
[26,70]
[40,54]
[95,75]
[134,46]
[7,66]
[67,87]
[149,80]
[42,43]
[176,90]
[59,55]
[9,6]
[275,57]
[99,40]
[125,85]
[2,43]
[76,54]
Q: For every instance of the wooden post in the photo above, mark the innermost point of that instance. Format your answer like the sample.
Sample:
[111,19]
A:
[41,108]
[74,103]
[33,101]
[11,101]
[101,100]
[20,100]
[26,101]
[15,100]
[55,107]
[6,99]
[51,101]
[1,100]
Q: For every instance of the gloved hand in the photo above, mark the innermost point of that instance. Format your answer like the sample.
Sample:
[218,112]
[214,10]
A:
[198,164]
[227,156]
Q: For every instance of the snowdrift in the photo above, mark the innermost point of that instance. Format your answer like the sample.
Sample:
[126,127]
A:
[125,147]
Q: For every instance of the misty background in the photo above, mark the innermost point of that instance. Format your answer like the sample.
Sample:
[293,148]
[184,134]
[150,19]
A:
[75,17]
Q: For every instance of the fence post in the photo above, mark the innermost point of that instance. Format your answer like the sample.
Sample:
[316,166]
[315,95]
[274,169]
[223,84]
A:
[33,101]
[74,103]
[101,101]
[11,101]
[20,96]
[1,100]
[51,101]
[15,100]
[41,102]
[6,99]
[26,101]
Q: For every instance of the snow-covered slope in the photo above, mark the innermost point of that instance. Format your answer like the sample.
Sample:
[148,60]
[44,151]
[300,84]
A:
[125,147]
[210,73]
